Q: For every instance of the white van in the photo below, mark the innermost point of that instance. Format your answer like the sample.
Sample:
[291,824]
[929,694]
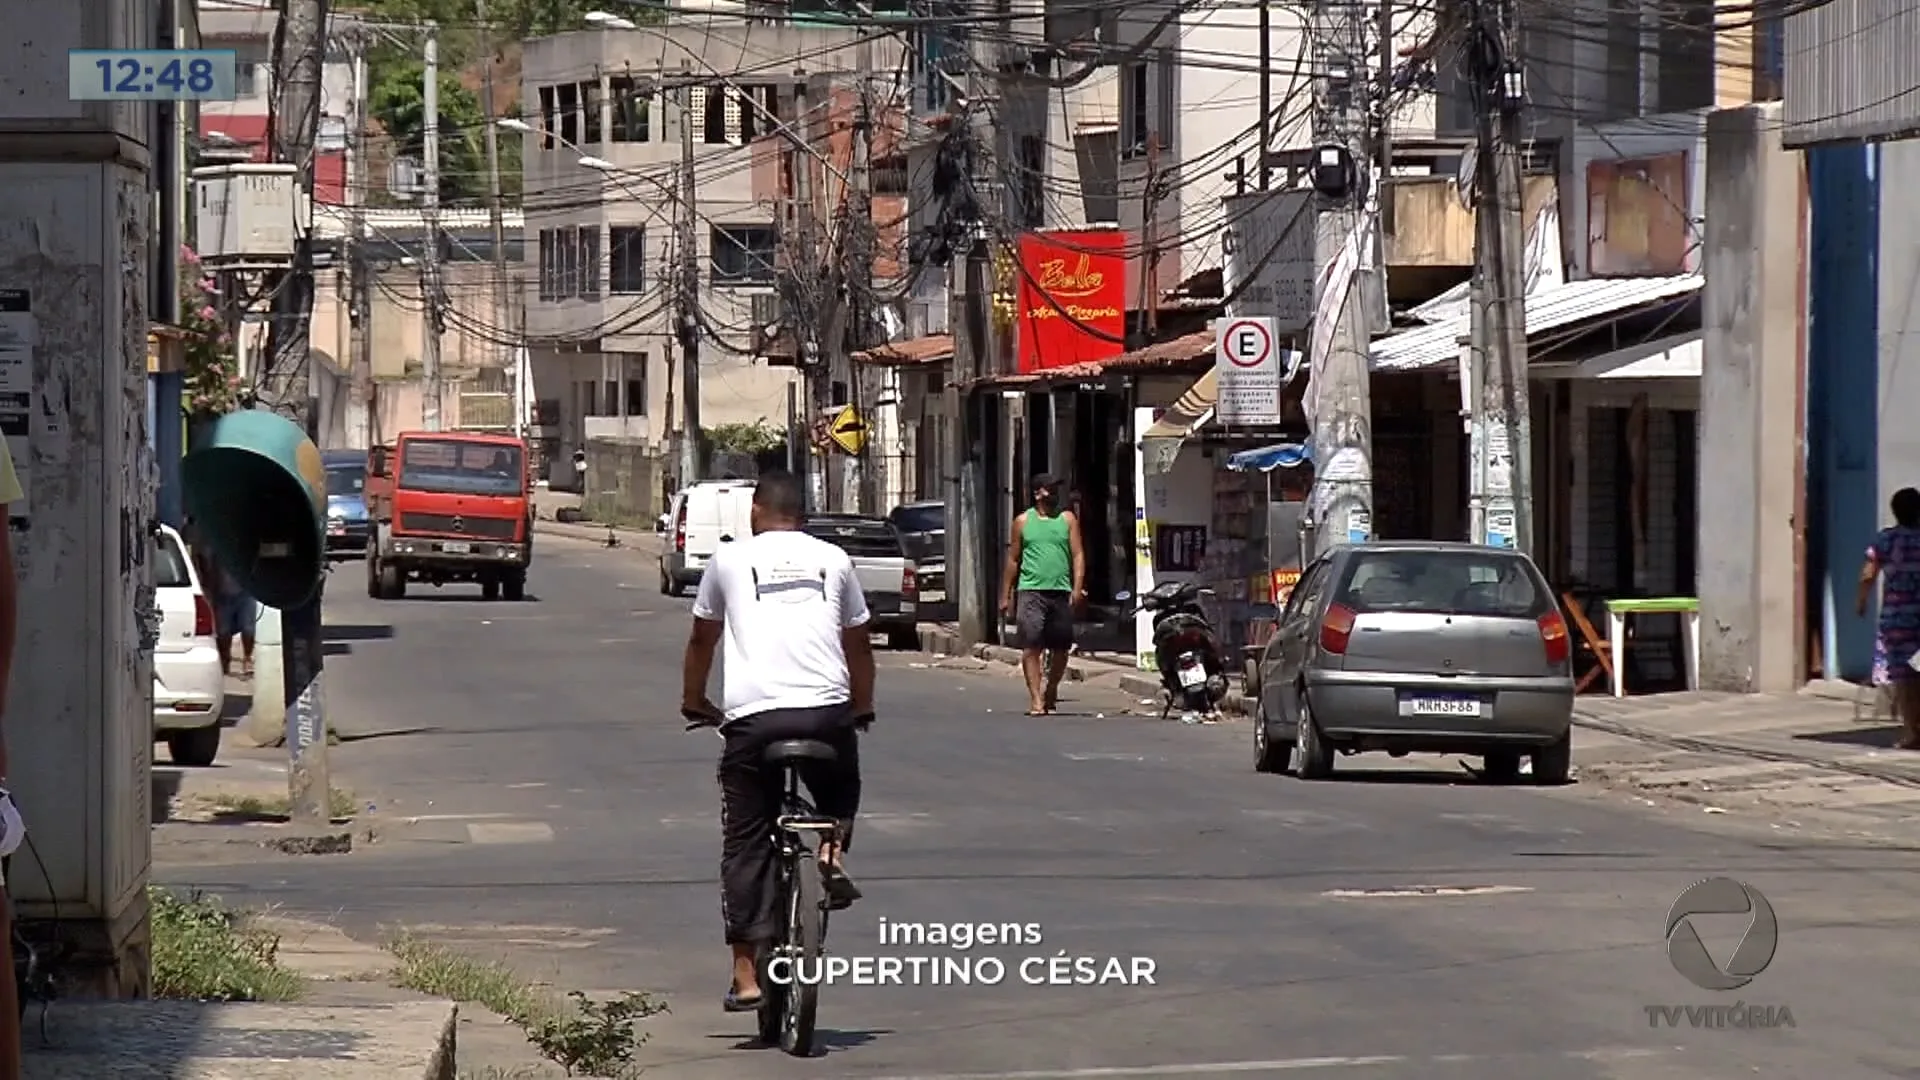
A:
[702,517]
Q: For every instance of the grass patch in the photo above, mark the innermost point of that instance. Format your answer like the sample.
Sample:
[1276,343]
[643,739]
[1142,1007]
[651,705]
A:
[340,805]
[204,951]
[583,1036]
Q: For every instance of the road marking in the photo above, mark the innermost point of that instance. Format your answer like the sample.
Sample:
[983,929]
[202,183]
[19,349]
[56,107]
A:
[1312,1064]
[455,817]
[1424,890]
[529,784]
[518,832]
[1108,757]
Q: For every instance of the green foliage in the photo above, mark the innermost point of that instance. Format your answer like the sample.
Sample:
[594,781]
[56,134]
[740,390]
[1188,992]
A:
[594,1038]
[758,437]
[212,371]
[205,952]
[396,99]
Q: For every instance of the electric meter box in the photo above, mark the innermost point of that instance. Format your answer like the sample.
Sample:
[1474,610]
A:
[249,215]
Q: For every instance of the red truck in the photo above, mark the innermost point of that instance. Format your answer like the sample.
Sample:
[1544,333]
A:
[449,506]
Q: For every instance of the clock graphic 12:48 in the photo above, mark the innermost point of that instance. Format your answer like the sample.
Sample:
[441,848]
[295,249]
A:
[152,74]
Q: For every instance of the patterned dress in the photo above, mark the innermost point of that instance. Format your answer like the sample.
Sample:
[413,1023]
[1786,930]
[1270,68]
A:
[1896,552]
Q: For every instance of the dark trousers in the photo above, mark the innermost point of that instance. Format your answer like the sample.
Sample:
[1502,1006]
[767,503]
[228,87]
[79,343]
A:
[750,792]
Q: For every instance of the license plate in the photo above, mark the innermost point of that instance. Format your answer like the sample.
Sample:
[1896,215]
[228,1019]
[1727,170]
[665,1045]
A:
[456,549]
[1443,706]
[336,529]
[1193,676]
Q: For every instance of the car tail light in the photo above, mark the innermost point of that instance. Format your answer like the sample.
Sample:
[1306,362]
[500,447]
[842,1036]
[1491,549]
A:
[1553,634]
[680,533]
[202,616]
[1336,629]
[910,581]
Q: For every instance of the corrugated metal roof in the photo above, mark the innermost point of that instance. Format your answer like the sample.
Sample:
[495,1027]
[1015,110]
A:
[1438,346]
[1851,71]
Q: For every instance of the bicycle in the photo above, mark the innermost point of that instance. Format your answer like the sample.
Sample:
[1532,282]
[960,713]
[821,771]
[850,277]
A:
[787,1010]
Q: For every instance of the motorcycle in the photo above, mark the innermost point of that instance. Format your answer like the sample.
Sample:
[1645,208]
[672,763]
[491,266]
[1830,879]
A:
[1185,648]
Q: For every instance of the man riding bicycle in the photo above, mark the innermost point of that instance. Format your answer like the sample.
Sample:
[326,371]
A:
[798,664]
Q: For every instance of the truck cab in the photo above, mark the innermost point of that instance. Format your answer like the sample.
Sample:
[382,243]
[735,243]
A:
[450,507]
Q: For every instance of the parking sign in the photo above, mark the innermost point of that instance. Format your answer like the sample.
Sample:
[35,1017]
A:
[1248,372]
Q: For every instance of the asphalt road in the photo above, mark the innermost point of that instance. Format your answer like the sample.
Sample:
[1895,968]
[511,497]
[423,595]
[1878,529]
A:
[565,822]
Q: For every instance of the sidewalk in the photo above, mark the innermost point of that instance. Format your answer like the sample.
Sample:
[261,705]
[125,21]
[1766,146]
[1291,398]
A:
[349,1027]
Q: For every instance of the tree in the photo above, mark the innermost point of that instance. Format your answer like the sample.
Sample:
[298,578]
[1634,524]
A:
[397,101]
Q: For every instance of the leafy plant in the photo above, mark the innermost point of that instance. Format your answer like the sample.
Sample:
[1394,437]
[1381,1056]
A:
[758,437]
[397,100]
[212,370]
[204,952]
[594,1038]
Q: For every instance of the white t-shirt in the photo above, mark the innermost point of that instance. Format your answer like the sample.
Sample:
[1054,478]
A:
[783,598]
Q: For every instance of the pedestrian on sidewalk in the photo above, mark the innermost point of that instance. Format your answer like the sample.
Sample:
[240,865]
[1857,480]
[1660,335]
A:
[1046,587]
[1894,558]
[235,614]
[10,495]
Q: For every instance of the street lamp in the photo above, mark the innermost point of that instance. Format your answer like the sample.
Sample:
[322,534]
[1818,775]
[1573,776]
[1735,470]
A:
[512,123]
[605,21]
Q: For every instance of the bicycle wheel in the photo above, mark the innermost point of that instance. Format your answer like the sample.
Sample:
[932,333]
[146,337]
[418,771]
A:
[804,915]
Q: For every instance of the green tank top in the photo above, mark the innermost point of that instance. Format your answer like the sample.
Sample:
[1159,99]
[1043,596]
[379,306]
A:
[1046,555]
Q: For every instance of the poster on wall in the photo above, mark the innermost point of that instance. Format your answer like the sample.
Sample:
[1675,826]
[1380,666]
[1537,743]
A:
[16,388]
[1178,549]
[1072,297]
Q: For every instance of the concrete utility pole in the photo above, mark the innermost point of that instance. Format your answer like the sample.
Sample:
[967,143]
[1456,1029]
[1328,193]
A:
[1339,398]
[819,395]
[1503,439]
[506,298]
[430,220]
[363,416]
[688,323]
[859,281]
[972,322]
[301,42]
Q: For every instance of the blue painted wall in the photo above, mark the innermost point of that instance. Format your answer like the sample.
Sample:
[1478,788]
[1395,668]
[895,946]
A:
[1842,393]
[165,433]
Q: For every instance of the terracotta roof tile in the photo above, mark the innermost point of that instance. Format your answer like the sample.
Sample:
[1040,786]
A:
[925,350]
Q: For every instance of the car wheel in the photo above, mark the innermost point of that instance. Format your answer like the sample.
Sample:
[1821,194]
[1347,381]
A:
[196,747]
[489,590]
[1269,756]
[904,639]
[1501,766]
[1553,763]
[1316,753]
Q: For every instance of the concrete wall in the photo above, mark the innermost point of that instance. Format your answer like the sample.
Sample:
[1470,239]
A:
[1751,401]
[623,481]
[1899,396]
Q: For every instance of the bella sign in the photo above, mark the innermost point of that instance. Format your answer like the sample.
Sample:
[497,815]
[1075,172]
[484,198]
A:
[1072,297]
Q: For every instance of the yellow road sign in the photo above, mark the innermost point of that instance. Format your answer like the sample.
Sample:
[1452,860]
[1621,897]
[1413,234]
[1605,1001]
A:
[848,431]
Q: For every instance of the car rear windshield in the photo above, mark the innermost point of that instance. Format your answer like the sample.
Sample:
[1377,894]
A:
[921,519]
[169,564]
[860,540]
[1486,583]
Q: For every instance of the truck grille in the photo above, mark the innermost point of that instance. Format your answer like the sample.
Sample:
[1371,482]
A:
[484,528]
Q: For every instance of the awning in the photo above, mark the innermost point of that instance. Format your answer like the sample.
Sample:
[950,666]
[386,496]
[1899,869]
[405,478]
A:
[1437,347]
[1269,458]
[1190,413]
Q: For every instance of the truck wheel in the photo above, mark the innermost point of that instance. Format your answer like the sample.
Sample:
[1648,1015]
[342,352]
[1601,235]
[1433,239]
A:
[393,584]
[490,589]
[515,588]
[373,576]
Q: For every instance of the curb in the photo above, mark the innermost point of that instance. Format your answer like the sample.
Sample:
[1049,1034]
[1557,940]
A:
[1148,686]
[939,641]
[587,531]
[1706,746]
[443,1062]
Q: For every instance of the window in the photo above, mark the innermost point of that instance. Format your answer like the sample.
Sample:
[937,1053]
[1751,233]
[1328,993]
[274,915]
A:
[890,176]
[347,480]
[743,254]
[588,239]
[549,118]
[711,104]
[612,398]
[626,260]
[569,281]
[632,108]
[760,105]
[1135,109]
[566,101]
[590,109]
[246,79]
[169,564]
[1485,584]
[549,289]
[637,387]
[1031,181]
[457,468]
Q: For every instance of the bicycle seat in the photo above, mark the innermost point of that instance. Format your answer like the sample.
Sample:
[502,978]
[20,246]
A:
[799,750]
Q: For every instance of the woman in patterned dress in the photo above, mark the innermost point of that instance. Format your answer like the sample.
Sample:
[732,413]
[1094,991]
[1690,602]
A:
[1894,557]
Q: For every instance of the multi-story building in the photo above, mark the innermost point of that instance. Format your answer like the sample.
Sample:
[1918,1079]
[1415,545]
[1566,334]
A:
[246,26]
[614,115]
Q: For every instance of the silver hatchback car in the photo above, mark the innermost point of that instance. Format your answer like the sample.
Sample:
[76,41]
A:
[1418,646]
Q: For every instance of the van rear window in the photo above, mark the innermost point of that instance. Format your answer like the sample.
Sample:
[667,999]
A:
[1483,583]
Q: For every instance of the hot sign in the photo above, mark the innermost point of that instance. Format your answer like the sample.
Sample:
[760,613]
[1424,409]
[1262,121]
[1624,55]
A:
[1248,371]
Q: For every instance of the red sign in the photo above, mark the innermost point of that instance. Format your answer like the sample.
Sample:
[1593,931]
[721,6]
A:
[1072,297]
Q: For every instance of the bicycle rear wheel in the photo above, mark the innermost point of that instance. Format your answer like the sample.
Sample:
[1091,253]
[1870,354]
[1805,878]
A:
[805,914]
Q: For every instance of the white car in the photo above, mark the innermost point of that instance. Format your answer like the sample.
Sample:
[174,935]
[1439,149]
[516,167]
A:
[189,689]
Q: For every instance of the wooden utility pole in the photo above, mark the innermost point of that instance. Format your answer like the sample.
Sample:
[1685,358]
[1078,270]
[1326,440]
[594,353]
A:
[971,318]
[430,290]
[1503,439]
[687,322]
[299,42]
[1339,397]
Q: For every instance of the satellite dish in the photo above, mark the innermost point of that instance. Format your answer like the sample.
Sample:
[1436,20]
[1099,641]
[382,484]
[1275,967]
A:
[1466,180]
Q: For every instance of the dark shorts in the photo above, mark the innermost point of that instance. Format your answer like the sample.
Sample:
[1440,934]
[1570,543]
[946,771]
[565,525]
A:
[237,615]
[1045,619]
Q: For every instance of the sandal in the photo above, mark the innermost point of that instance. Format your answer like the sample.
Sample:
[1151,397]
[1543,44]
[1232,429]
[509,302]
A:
[735,1002]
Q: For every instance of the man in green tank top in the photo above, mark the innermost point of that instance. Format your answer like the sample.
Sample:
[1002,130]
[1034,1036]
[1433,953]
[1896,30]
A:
[1045,585]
